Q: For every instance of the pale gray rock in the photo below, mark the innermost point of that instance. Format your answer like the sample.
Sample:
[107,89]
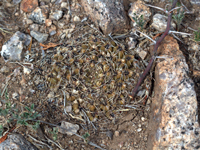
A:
[15,95]
[56,15]
[160,22]
[70,128]
[40,37]
[34,27]
[132,42]
[38,16]
[195,2]
[110,134]
[68,108]
[29,21]
[12,49]
[16,142]
[52,30]
[16,1]
[64,5]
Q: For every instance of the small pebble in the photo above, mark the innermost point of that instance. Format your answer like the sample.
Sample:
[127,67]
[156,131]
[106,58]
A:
[38,16]
[74,91]
[27,70]
[116,133]
[184,36]
[52,33]
[76,19]
[71,128]
[16,72]
[16,1]
[16,14]
[42,3]
[32,91]
[48,22]
[56,15]
[50,95]
[62,36]
[195,46]
[52,30]
[145,138]
[121,144]
[142,54]
[143,119]
[109,134]
[58,2]
[34,27]
[70,142]
[63,4]
[160,22]
[40,37]
[61,24]
[68,108]
[139,129]
[29,21]
[15,95]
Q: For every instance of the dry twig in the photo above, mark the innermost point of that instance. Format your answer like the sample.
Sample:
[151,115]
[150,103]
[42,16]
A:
[146,71]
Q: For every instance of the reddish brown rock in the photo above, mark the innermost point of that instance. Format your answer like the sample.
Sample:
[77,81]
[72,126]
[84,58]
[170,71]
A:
[173,120]
[28,5]
[109,16]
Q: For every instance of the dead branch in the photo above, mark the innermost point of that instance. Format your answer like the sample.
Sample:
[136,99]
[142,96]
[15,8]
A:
[158,42]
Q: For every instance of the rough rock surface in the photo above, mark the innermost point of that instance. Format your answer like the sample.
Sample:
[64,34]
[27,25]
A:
[160,22]
[39,15]
[12,49]
[139,9]
[56,15]
[16,142]
[71,128]
[173,120]
[109,16]
[28,5]
[40,37]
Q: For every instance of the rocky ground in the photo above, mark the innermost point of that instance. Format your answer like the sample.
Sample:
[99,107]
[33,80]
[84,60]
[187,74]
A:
[79,79]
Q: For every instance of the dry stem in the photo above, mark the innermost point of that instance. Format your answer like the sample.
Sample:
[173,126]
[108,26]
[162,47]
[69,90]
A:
[146,71]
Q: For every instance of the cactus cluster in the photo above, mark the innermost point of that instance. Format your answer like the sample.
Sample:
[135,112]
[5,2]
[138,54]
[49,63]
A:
[97,75]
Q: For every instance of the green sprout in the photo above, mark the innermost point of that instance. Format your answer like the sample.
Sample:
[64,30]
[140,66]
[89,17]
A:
[85,136]
[197,35]
[139,20]
[178,17]
[54,133]
[6,94]
[23,118]
[1,129]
